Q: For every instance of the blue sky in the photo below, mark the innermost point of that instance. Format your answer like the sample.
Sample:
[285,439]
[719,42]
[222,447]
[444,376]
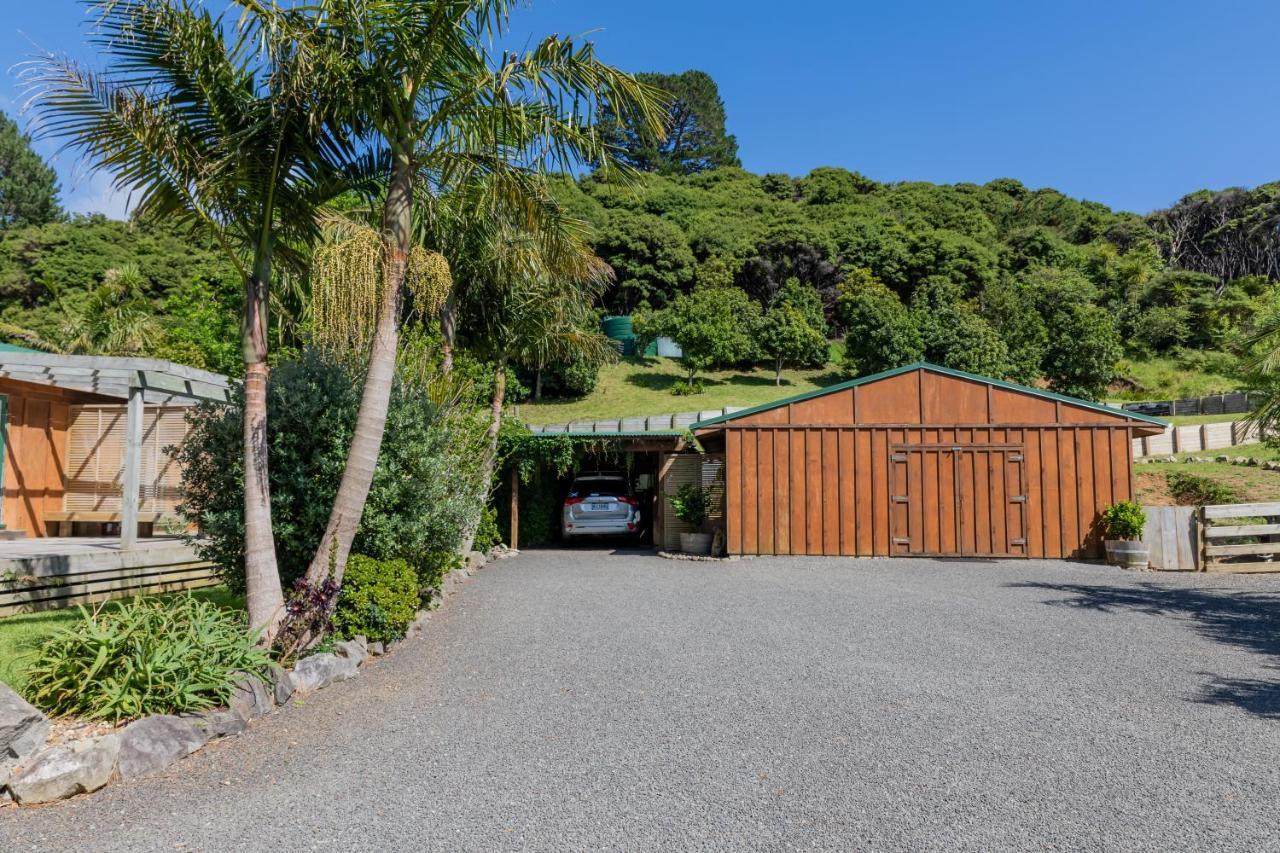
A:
[1131,103]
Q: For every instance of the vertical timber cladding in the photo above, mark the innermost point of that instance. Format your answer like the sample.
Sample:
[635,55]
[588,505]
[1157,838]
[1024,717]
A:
[925,460]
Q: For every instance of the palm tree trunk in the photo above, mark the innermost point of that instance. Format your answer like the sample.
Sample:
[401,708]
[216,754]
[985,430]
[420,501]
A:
[264,598]
[371,420]
[448,331]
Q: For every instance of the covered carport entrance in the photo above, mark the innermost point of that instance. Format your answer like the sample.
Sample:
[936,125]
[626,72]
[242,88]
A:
[529,507]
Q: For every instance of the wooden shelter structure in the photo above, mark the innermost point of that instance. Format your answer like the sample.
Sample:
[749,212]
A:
[82,439]
[923,461]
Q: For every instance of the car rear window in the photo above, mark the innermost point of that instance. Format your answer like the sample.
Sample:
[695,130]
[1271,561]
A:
[610,486]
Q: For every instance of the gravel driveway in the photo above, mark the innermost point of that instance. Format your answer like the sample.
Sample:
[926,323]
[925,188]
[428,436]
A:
[589,699]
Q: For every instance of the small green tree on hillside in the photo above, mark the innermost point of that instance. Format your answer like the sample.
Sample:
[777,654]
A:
[786,337]
[28,187]
[713,327]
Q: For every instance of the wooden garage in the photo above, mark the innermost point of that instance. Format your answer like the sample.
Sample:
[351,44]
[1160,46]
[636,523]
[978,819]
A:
[924,460]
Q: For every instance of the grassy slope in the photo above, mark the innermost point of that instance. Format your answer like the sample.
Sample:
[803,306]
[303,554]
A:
[1250,484]
[21,636]
[636,387]
[1165,379]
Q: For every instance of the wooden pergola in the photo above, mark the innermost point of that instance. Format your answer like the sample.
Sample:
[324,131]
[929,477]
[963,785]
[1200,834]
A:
[138,381]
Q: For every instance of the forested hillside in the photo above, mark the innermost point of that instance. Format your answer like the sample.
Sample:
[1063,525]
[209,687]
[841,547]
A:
[1000,279]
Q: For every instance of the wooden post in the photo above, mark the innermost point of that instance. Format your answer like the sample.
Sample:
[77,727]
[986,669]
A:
[515,509]
[132,469]
[1201,559]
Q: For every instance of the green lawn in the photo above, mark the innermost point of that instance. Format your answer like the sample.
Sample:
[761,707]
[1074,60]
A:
[1186,420]
[21,636]
[639,387]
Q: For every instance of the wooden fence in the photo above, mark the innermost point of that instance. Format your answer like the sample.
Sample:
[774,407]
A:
[1195,438]
[1172,534]
[1237,402]
[51,581]
[1235,540]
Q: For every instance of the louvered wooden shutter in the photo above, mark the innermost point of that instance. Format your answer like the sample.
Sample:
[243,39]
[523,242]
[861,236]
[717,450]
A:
[95,458]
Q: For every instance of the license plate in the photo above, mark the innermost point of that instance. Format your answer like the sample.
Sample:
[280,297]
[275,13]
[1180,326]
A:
[599,507]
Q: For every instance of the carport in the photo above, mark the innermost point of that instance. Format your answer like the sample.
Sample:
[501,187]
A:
[923,460]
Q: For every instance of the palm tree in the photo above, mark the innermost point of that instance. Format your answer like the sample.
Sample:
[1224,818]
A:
[216,125]
[115,319]
[437,107]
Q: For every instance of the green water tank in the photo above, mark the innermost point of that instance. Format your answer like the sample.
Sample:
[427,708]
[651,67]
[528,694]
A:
[618,328]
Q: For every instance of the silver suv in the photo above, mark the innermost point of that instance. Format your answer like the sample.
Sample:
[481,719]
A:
[600,505]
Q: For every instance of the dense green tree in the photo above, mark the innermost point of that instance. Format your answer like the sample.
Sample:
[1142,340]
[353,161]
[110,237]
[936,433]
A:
[826,185]
[880,332]
[695,139]
[953,334]
[807,301]
[715,327]
[650,258]
[28,186]
[786,337]
[1010,307]
[1082,352]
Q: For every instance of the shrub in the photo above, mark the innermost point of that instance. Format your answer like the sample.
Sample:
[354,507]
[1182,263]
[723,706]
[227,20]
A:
[1124,520]
[487,534]
[714,327]
[146,656]
[1194,490]
[429,484]
[692,388]
[690,504]
[378,599]
[431,569]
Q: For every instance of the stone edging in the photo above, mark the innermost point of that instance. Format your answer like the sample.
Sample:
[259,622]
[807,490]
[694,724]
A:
[1243,461]
[32,773]
[702,558]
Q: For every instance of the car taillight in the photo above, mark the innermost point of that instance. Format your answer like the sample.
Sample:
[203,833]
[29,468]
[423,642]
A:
[629,501]
[570,501]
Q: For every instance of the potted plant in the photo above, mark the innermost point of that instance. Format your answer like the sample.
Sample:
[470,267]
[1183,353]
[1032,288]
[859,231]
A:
[690,506]
[1125,522]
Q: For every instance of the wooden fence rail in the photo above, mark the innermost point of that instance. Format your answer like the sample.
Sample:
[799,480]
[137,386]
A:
[1248,546]
[55,581]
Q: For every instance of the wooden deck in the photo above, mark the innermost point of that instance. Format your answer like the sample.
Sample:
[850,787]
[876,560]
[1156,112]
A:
[47,573]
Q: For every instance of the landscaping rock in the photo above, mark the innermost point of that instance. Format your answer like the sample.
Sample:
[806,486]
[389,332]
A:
[153,743]
[220,723]
[281,683]
[361,641]
[377,649]
[1222,458]
[351,650]
[475,560]
[419,623]
[317,671]
[250,698]
[23,731]
[64,771]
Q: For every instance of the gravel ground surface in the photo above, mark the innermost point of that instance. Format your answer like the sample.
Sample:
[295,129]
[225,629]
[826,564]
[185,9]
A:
[593,700]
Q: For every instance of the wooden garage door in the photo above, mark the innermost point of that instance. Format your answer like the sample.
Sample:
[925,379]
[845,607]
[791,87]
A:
[967,501]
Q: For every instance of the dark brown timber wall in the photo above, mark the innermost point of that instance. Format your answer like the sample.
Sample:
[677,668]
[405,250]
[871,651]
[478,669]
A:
[924,463]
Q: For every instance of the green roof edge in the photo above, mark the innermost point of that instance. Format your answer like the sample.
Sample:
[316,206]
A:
[935,368]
